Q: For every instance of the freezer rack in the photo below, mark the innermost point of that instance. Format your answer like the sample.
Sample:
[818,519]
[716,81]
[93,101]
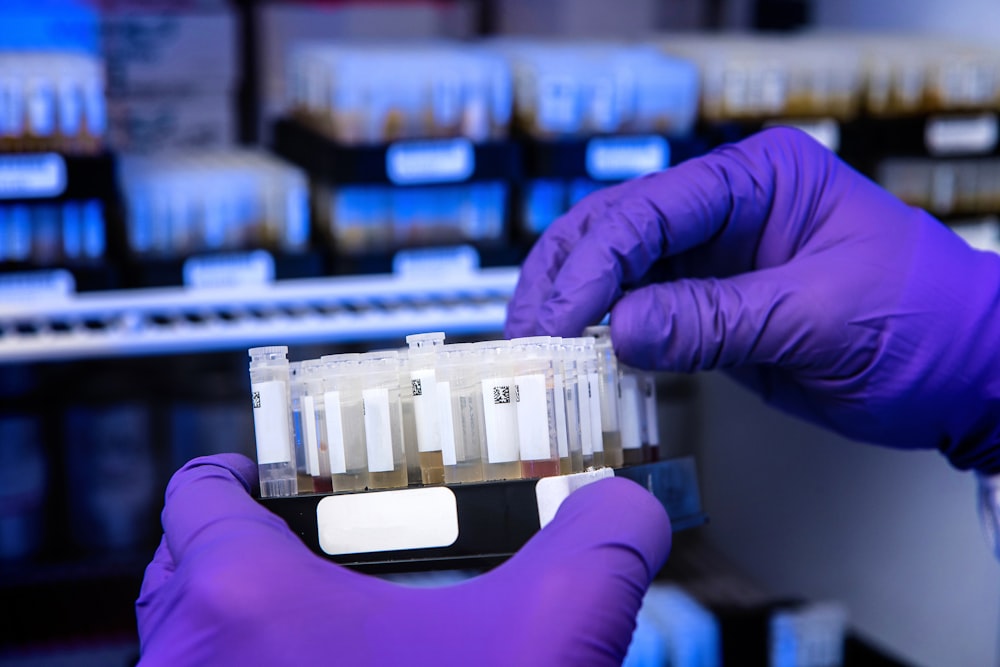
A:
[484,524]
[50,325]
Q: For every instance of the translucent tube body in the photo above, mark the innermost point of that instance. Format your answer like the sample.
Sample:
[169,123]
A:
[409,421]
[500,429]
[607,370]
[651,432]
[314,425]
[588,384]
[574,433]
[423,355]
[345,426]
[463,442]
[535,402]
[303,469]
[269,388]
[383,420]
[630,410]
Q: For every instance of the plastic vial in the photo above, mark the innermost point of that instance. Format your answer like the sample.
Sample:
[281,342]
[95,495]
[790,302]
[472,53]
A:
[269,390]
[383,420]
[567,364]
[424,350]
[630,409]
[588,389]
[502,460]
[409,421]
[460,398]
[535,401]
[302,468]
[607,370]
[345,429]
[314,425]
[651,433]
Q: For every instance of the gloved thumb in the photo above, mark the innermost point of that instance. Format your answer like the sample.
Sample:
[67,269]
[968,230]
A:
[764,317]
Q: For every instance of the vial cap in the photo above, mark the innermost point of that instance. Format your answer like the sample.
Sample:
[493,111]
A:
[425,339]
[271,350]
[531,340]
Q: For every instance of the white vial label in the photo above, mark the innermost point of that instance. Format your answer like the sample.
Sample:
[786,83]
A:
[562,434]
[596,425]
[446,424]
[500,416]
[652,420]
[309,439]
[425,410]
[532,417]
[270,422]
[582,395]
[335,433]
[378,430]
[631,428]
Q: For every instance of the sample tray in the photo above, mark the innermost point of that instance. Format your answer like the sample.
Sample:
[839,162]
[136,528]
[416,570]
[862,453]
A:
[462,525]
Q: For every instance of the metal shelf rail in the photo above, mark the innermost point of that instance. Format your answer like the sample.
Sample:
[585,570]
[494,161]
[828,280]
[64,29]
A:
[48,327]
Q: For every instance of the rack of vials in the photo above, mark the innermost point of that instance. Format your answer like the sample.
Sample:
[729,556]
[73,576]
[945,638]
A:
[448,454]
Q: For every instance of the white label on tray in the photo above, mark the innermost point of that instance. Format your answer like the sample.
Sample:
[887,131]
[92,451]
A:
[500,417]
[309,439]
[34,175]
[387,520]
[532,417]
[419,162]
[550,492]
[334,433]
[621,158]
[962,134]
[378,430]
[270,422]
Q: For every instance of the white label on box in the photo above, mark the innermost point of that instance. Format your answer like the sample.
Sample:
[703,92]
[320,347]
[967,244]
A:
[596,424]
[270,422]
[309,439]
[335,433]
[446,424]
[532,417]
[630,406]
[582,395]
[500,417]
[32,175]
[425,410]
[387,520]
[378,430]
[825,131]
[247,269]
[562,434]
[550,492]
[421,162]
[963,134]
[622,158]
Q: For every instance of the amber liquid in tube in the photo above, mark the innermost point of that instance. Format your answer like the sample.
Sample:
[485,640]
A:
[462,473]
[612,449]
[431,467]
[631,457]
[532,469]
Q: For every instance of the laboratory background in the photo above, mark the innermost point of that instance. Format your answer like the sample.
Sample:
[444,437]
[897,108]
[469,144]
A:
[181,180]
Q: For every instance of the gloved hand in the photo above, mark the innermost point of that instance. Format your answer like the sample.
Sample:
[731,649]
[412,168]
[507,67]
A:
[812,285]
[231,584]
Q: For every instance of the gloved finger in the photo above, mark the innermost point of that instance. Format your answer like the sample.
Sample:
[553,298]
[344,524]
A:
[591,566]
[158,571]
[209,508]
[766,317]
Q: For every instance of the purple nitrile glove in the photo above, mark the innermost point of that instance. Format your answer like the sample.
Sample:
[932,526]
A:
[231,584]
[773,259]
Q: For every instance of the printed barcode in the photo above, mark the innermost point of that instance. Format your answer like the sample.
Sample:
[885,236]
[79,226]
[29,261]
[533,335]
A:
[417,388]
[256,399]
[501,395]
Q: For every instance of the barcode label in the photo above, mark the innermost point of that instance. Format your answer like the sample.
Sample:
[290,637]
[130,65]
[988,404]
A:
[270,422]
[425,410]
[378,430]
[532,418]
[501,395]
[500,418]
[334,433]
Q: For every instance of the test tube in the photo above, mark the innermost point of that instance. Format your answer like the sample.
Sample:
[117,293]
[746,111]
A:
[566,460]
[607,370]
[345,432]
[314,425]
[535,402]
[460,399]
[499,411]
[409,421]
[588,389]
[574,431]
[383,419]
[630,410]
[424,350]
[303,467]
[651,433]
[269,380]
